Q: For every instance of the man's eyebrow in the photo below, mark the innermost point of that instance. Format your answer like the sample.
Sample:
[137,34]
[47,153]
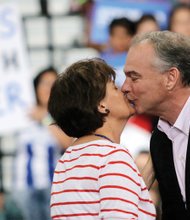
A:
[131,72]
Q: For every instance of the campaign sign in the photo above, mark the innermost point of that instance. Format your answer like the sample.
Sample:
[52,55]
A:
[16,90]
[105,11]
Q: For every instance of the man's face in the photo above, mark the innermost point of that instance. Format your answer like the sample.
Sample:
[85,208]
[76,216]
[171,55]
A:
[145,84]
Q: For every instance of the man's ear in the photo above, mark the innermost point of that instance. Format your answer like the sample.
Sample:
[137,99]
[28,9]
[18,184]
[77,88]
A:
[173,77]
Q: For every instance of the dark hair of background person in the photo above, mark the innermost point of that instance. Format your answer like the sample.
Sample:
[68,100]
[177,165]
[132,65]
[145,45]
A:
[122,22]
[176,7]
[38,77]
[76,94]
[144,18]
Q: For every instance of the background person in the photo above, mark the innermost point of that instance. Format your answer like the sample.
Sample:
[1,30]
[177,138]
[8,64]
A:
[8,208]
[179,19]
[121,31]
[38,149]
[147,23]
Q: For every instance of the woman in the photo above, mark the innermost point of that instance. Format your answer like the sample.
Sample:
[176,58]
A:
[96,178]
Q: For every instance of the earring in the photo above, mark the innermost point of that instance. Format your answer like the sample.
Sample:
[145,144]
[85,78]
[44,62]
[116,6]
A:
[107,111]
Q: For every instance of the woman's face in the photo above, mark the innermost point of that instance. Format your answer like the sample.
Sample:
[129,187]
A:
[117,104]
[44,87]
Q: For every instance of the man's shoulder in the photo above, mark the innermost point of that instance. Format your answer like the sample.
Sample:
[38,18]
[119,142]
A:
[158,138]
[156,133]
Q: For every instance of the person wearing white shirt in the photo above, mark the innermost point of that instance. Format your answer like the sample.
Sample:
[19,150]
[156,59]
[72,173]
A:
[158,84]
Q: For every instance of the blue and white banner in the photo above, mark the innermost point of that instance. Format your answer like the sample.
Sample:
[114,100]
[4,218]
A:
[105,11]
[16,90]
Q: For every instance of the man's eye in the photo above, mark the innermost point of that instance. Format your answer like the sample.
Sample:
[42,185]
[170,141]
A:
[134,78]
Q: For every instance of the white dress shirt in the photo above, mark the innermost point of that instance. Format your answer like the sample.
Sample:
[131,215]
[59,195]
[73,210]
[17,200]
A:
[179,134]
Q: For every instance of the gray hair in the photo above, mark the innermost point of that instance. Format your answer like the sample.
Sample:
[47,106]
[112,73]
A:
[172,50]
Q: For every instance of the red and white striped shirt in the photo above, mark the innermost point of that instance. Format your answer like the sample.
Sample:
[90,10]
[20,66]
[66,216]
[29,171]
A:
[99,180]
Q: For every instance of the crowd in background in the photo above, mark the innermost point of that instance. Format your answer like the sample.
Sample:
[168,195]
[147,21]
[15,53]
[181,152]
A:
[37,148]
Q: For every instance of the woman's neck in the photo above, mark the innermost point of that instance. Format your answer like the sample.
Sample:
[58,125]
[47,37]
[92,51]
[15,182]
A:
[112,130]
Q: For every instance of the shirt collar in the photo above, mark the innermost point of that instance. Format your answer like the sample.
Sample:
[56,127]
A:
[182,123]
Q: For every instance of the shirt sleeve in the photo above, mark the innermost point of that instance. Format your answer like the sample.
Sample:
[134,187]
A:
[119,186]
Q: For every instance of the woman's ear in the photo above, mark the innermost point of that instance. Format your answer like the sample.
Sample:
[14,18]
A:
[102,108]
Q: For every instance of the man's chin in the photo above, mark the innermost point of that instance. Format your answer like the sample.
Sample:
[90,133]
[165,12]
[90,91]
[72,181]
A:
[133,110]
[138,111]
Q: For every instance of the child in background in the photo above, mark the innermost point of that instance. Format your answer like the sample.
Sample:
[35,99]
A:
[121,31]
[147,23]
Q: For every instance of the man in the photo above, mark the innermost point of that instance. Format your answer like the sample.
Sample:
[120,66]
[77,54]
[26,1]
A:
[158,83]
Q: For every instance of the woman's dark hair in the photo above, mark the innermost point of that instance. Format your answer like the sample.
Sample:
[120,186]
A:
[76,94]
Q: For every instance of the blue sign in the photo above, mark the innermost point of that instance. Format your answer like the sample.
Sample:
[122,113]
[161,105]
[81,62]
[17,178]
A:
[12,92]
[105,11]
[7,26]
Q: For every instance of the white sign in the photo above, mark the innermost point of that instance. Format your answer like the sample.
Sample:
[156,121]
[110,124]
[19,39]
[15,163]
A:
[16,89]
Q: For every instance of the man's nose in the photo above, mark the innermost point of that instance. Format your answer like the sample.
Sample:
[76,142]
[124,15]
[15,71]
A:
[126,86]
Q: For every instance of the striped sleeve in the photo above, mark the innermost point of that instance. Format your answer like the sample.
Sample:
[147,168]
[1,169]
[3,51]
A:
[119,186]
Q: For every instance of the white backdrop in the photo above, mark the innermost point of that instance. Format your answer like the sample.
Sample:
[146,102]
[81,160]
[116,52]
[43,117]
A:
[16,89]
